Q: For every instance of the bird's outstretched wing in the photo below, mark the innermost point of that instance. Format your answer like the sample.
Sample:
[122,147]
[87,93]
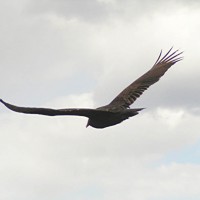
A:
[54,112]
[134,90]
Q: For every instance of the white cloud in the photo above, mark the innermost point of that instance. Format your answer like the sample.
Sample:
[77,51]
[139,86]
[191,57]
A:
[52,158]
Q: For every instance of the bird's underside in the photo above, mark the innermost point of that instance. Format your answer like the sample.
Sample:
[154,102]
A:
[118,110]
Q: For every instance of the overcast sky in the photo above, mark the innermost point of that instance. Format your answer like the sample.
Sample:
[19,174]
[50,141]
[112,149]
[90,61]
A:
[82,53]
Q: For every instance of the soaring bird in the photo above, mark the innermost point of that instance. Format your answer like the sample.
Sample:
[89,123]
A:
[118,109]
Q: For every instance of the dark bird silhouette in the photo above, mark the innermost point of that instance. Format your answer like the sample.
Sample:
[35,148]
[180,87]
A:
[118,110]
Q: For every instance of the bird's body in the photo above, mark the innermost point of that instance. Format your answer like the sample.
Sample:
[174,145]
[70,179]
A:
[118,110]
[111,118]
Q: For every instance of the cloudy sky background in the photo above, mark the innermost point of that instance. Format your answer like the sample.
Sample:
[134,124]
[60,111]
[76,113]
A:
[82,54]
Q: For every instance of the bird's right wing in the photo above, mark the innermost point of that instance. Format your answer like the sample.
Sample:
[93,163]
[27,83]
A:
[54,112]
[134,90]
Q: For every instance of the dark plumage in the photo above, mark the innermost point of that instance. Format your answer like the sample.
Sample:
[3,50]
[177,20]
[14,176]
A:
[118,110]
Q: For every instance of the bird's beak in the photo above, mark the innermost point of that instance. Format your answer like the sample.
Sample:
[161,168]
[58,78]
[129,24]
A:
[88,123]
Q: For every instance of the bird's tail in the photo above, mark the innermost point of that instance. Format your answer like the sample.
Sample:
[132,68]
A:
[137,109]
[134,111]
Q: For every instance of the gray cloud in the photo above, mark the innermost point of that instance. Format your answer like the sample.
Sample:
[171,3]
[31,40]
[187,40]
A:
[88,10]
[96,11]
[52,50]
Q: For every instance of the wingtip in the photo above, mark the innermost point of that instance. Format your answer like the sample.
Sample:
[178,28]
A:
[3,102]
[170,57]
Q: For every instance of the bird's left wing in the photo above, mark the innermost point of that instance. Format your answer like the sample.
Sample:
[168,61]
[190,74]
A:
[134,90]
[54,112]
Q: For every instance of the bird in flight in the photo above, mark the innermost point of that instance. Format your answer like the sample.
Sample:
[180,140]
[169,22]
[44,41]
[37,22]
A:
[118,109]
